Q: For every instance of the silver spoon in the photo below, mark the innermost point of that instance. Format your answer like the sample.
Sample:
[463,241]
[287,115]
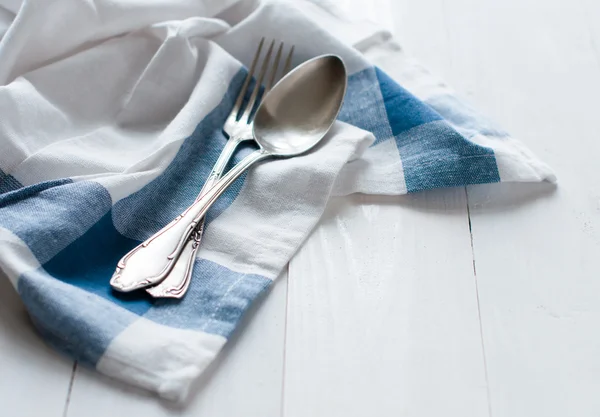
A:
[294,117]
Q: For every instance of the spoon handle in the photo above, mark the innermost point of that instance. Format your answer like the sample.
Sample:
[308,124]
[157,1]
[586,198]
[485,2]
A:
[152,261]
[175,285]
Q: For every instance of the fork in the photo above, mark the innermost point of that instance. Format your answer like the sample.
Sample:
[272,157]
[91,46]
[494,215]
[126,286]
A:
[238,129]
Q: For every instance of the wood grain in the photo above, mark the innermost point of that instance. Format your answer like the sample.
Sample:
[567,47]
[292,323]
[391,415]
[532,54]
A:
[383,314]
[536,248]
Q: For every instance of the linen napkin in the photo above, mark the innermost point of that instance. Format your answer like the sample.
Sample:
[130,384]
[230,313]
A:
[111,116]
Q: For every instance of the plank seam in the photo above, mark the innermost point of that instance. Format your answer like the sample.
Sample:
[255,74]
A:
[285,324]
[485,367]
[70,390]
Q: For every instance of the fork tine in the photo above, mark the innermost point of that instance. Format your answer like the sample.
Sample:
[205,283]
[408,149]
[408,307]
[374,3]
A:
[273,76]
[261,75]
[288,62]
[240,98]
[274,70]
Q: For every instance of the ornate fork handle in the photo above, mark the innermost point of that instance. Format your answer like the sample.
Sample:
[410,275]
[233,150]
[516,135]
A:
[180,276]
[152,261]
[178,280]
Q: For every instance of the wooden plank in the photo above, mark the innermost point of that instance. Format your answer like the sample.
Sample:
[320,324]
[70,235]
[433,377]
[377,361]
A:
[34,380]
[537,268]
[383,312]
[534,67]
[246,379]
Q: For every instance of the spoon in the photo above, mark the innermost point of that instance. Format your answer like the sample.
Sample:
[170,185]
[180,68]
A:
[292,119]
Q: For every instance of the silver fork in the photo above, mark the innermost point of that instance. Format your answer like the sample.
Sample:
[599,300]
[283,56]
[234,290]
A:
[238,129]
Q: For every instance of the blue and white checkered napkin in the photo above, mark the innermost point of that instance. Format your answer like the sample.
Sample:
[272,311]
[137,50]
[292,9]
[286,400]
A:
[111,119]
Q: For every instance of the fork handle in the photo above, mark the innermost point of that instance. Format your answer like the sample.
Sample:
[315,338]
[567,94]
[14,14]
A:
[222,161]
[151,263]
[175,285]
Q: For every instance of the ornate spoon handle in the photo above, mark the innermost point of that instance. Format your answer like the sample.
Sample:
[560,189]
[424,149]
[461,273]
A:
[175,285]
[153,260]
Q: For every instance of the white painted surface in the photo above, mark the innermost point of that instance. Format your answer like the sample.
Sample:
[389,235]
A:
[424,335]
[383,313]
[537,260]
[33,378]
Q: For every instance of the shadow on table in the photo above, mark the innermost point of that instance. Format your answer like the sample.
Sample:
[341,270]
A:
[445,201]
[509,196]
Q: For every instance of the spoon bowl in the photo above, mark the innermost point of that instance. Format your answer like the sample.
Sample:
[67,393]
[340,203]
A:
[301,108]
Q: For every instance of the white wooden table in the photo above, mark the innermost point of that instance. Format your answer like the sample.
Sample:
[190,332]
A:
[482,301]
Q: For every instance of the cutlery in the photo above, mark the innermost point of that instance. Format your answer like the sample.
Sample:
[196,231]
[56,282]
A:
[238,132]
[291,120]
[177,281]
